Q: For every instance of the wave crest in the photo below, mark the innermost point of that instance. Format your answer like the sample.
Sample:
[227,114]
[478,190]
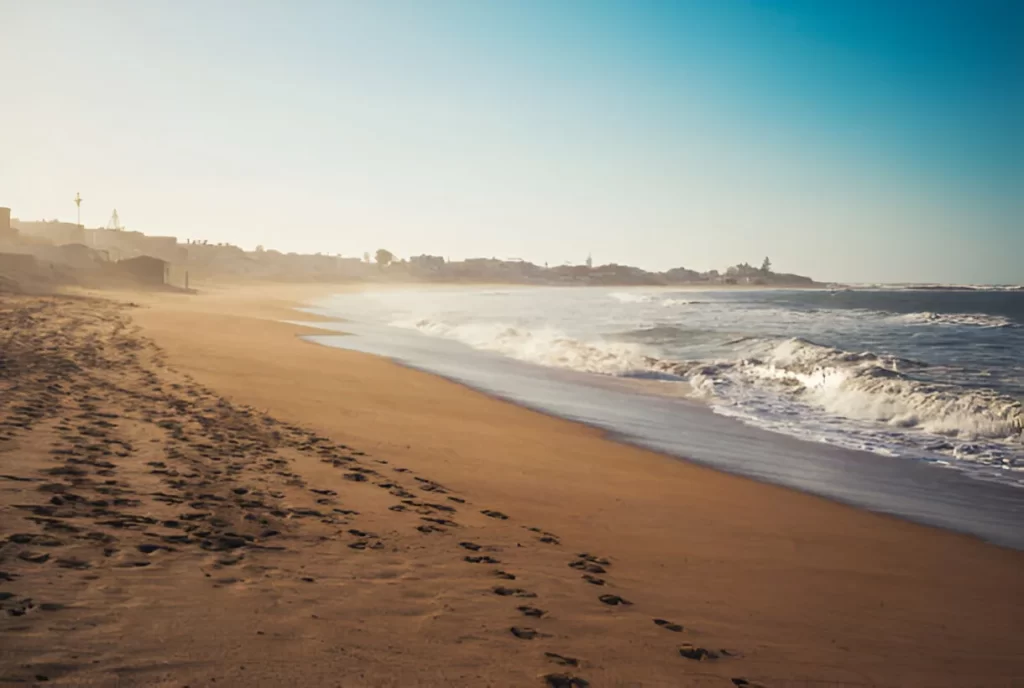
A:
[545,346]
[786,384]
[957,319]
[640,297]
[864,386]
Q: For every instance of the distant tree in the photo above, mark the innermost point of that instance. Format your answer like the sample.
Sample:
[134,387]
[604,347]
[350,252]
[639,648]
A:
[384,257]
[260,249]
[766,266]
[366,257]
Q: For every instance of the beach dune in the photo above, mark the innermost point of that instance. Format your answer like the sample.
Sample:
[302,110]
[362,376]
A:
[193,495]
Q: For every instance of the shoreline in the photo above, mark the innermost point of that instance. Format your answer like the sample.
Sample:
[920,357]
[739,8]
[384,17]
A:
[626,440]
[799,588]
[604,437]
[910,490]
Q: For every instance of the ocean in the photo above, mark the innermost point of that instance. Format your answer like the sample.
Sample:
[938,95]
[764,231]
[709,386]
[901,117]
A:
[903,401]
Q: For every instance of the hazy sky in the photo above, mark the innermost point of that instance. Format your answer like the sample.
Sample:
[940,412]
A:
[854,140]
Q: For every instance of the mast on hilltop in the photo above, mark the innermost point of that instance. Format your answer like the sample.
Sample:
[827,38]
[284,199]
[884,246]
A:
[115,222]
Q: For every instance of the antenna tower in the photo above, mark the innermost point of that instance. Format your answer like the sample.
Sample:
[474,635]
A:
[78,206]
[114,222]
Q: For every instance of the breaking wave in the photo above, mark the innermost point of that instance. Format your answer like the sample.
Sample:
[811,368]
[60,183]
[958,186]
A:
[863,386]
[632,297]
[860,400]
[543,346]
[957,319]
[640,297]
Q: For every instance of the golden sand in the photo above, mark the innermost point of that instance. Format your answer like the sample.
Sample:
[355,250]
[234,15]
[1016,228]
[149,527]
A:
[193,495]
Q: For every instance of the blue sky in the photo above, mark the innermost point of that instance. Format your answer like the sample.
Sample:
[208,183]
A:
[861,141]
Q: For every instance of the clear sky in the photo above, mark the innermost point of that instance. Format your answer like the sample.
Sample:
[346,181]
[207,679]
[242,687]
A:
[849,140]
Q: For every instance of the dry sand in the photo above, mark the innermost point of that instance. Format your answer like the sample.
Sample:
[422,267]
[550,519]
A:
[191,495]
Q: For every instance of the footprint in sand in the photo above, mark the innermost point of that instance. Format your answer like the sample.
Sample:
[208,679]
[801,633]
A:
[363,544]
[524,633]
[562,659]
[668,625]
[482,559]
[531,611]
[512,592]
[440,521]
[505,574]
[614,600]
[587,566]
[137,565]
[431,486]
[566,681]
[429,505]
[593,580]
[701,654]
[32,538]
[494,514]
[360,533]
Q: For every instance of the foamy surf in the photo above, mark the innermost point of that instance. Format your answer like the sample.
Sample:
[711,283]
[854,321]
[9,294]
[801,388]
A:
[876,398]
[864,401]
[545,346]
[736,357]
[859,400]
[652,298]
[957,319]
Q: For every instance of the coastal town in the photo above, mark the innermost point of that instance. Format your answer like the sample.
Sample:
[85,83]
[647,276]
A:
[71,253]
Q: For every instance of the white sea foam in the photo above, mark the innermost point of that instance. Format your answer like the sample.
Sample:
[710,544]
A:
[864,402]
[746,367]
[956,319]
[875,388]
[678,302]
[935,287]
[633,296]
[646,297]
[860,386]
[544,346]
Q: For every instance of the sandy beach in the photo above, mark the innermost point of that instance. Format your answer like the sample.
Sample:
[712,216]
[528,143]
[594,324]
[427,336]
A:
[192,495]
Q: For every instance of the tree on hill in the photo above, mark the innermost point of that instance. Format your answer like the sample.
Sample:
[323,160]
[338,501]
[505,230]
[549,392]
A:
[384,257]
[766,266]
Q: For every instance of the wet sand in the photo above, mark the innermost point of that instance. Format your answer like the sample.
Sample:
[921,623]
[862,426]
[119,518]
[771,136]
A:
[193,495]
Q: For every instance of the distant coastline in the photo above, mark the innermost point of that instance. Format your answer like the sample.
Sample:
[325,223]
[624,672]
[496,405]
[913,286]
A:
[71,253]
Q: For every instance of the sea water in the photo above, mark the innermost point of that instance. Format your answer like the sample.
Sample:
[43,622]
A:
[904,401]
